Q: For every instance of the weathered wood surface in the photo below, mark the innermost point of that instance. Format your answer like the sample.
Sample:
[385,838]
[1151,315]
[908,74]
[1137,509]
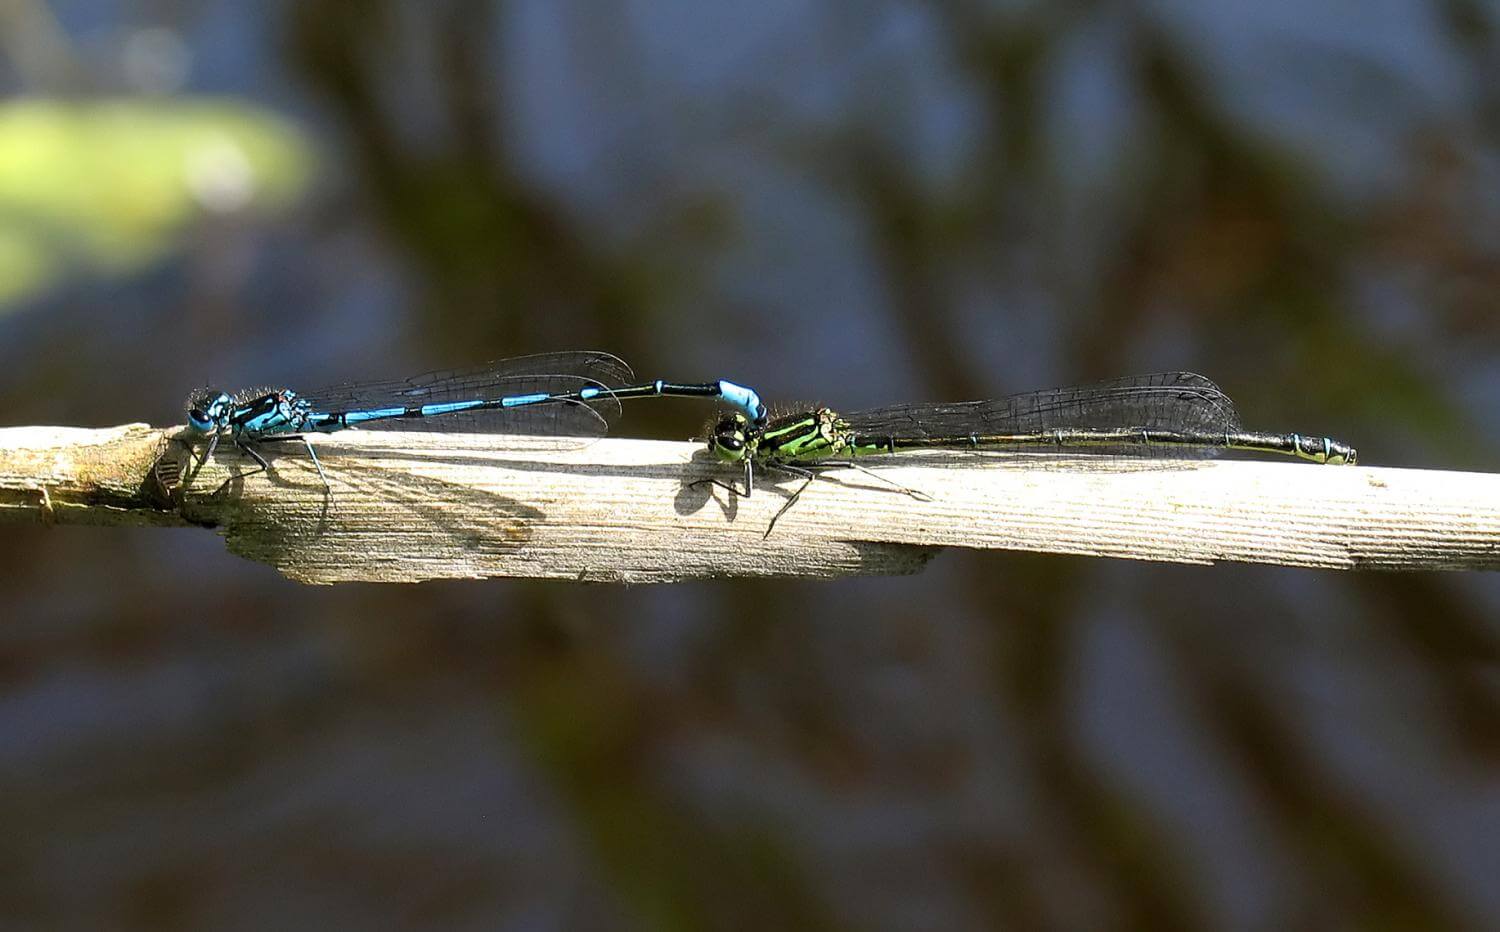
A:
[408,506]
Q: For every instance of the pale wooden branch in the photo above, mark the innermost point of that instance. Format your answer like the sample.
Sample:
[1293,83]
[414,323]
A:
[73,475]
[408,506]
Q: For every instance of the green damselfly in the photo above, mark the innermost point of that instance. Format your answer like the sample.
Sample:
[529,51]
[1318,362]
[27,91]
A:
[1170,413]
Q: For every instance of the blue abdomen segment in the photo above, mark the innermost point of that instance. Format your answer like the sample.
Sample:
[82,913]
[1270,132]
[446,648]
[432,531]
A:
[571,394]
[351,418]
[744,398]
[517,401]
[451,407]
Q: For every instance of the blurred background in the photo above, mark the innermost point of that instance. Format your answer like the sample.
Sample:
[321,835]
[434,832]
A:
[850,203]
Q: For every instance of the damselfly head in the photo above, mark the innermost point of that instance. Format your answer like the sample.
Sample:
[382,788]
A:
[208,410]
[730,437]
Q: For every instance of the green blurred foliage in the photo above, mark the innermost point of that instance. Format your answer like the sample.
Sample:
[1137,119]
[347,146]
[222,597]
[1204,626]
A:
[107,187]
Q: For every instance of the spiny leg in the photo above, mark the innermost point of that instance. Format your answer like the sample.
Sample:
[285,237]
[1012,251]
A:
[314,454]
[920,496]
[807,476]
[260,465]
[213,444]
[193,457]
[749,482]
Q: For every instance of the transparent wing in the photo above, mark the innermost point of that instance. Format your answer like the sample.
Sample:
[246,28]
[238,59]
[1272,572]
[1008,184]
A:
[1161,401]
[547,373]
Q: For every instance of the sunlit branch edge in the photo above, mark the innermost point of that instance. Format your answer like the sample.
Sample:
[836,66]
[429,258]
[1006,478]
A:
[409,506]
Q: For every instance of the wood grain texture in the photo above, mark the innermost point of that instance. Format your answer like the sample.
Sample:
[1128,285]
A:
[73,475]
[408,506]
